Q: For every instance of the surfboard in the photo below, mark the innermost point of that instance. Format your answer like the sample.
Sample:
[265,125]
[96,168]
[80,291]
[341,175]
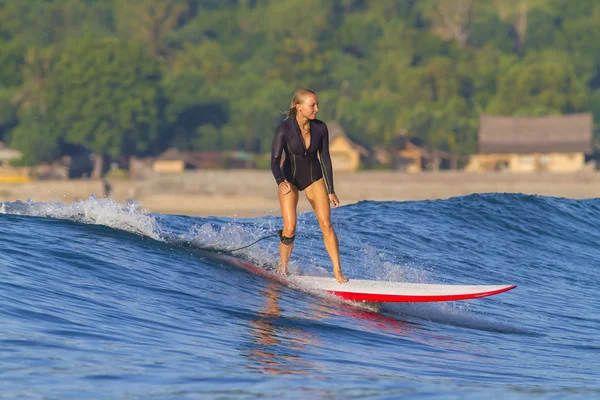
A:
[373,291]
[398,292]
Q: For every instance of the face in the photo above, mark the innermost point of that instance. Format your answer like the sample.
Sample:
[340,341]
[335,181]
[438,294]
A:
[309,106]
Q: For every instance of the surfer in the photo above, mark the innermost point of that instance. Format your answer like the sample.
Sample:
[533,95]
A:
[307,166]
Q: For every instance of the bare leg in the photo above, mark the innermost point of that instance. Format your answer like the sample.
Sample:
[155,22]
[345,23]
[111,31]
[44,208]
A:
[317,196]
[289,203]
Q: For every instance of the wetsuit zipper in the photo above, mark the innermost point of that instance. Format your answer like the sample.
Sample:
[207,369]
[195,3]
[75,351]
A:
[302,138]
[293,156]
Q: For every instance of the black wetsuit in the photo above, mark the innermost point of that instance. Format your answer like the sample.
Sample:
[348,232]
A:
[302,166]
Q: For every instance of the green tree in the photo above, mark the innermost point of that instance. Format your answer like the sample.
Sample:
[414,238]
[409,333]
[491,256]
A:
[489,30]
[36,137]
[294,47]
[584,47]
[151,21]
[191,110]
[516,12]
[195,96]
[229,66]
[11,59]
[8,111]
[103,93]
[38,63]
[594,106]
[40,23]
[450,19]
[542,85]
[254,112]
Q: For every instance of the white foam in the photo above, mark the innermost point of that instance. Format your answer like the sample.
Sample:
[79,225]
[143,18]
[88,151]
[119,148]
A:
[457,313]
[129,217]
[231,237]
[132,217]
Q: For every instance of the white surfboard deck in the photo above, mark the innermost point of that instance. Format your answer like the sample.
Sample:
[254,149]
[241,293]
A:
[385,291]
[363,290]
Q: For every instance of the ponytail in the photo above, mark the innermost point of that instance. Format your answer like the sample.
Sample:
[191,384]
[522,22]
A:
[289,113]
[298,98]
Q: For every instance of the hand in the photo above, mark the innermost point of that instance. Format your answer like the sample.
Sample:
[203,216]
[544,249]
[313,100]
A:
[333,200]
[285,188]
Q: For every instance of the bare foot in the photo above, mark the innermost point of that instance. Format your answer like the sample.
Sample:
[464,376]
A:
[341,278]
[283,270]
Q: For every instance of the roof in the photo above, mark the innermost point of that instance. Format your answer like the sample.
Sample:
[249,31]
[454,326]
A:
[336,130]
[171,154]
[405,142]
[565,133]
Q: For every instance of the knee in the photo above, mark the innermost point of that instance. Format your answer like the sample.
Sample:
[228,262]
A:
[289,230]
[326,226]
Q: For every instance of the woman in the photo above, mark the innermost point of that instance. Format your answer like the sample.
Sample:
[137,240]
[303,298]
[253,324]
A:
[307,167]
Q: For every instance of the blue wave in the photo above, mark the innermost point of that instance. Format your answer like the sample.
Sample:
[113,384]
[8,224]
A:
[102,300]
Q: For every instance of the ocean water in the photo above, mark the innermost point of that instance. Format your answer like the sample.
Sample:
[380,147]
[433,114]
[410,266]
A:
[101,300]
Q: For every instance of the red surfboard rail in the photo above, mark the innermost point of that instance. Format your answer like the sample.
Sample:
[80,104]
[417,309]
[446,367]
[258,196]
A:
[395,298]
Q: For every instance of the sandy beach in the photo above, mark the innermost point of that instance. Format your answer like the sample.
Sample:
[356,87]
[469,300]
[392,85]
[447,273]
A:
[250,193]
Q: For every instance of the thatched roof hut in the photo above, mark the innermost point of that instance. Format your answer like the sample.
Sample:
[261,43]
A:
[523,135]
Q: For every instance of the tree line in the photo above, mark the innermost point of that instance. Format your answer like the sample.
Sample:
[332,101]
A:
[134,77]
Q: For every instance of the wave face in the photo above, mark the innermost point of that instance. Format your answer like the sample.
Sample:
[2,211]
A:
[101,300]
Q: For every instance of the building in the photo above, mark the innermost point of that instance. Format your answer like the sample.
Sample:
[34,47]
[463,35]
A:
[7,155]
[173,161]
[9,174]
[411,154]
[239,160]
[533,144]
[345,154]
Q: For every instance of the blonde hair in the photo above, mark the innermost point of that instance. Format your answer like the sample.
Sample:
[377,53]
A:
[297,98]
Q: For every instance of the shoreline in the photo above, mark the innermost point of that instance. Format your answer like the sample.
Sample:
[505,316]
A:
[253,193]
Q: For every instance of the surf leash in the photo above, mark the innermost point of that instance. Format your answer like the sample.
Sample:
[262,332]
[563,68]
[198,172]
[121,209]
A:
[253,243]
[212,249]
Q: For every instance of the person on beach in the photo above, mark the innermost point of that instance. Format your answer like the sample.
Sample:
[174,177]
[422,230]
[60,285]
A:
[307,166]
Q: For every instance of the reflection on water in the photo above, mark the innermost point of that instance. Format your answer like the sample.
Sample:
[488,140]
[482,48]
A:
[276,348]
[376,322]
[382,323]
[279,345]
